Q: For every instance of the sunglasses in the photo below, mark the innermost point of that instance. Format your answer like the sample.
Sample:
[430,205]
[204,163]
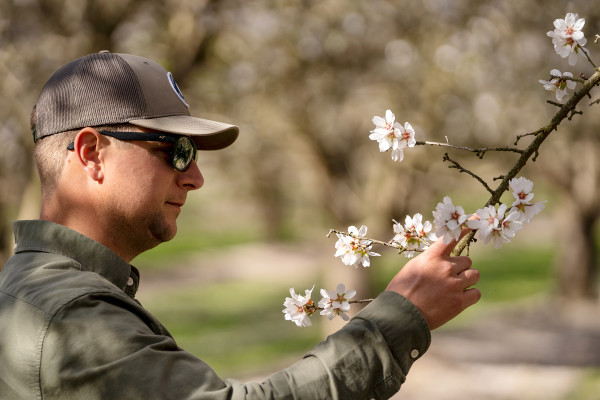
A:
[181,155]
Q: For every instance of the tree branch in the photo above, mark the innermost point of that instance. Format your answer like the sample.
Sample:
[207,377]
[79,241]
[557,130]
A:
[566,111]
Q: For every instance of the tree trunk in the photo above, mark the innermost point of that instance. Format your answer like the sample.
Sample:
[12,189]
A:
[577,262]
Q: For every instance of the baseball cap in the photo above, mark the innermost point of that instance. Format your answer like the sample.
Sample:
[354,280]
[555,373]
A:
[112,88]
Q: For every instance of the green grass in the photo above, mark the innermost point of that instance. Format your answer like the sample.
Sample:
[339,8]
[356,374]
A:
[589,386]
[515,273]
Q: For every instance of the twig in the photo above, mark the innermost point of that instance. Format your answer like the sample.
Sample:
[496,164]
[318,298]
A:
[572,113]
[480,152]
[587,55]
[360,301]
[460,168]
[519,137]
[314,308]
[389,244]
[554,103]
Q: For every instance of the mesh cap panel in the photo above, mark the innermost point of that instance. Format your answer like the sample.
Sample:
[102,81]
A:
[95,90]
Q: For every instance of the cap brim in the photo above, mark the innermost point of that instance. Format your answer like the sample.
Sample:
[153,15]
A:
[208,135]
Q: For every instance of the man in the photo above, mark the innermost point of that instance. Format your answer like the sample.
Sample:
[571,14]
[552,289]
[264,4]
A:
[115,149]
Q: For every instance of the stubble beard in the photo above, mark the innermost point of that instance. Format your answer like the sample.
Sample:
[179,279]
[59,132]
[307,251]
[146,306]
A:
[145,233]
[160,229]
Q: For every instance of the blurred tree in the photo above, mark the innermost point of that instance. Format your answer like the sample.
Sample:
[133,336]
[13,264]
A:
[575,169]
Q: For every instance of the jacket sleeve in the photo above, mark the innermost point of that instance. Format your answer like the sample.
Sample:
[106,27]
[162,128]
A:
[99,348]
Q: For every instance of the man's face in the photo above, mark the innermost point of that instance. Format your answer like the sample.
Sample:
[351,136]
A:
[145,193]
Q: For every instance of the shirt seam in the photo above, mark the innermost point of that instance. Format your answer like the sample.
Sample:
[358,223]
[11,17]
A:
[46,250]
[23,300]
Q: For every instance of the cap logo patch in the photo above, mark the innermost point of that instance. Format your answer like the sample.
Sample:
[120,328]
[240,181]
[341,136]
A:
[176,89]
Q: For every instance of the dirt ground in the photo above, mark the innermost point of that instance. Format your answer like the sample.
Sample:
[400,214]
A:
[538,349]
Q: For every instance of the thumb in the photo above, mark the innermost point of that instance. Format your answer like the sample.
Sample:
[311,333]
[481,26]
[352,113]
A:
[445,249]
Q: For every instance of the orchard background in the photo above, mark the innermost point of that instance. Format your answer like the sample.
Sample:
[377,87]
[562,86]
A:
[303,79]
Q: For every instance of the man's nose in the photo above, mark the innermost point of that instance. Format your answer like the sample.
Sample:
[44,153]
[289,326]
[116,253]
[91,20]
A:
[191,179]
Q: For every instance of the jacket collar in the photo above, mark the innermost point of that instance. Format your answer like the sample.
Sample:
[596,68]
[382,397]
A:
[49,237]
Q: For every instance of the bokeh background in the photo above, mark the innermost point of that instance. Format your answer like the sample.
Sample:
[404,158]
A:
[303,79]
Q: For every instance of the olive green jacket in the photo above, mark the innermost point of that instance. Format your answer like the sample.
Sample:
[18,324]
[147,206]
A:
[70,328]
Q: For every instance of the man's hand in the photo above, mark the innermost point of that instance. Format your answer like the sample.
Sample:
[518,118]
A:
[437,284]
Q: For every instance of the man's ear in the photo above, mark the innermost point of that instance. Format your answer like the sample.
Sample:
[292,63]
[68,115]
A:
[89,147]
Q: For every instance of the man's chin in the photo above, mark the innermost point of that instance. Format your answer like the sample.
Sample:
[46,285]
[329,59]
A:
[163,232]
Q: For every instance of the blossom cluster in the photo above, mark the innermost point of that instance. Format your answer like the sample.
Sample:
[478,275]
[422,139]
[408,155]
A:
[392,135]
[567,36]
[415,235]
[496,224]
[568,41]
[298,309]
[353,248]
[559,83]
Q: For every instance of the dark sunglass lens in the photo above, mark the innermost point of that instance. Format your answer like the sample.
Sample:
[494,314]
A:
[183,153]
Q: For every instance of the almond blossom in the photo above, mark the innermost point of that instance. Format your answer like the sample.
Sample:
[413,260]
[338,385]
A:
[353,249]
[559,83]
[392,135]
[415,235]
[567,36]
[522,192]
[335,302]
[449,220]
[494,225]
[298,309]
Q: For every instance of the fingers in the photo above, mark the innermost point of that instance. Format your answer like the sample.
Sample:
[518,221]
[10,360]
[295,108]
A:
[445,249]
[469,277]
[460,264]
[441,288]
[471,296]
